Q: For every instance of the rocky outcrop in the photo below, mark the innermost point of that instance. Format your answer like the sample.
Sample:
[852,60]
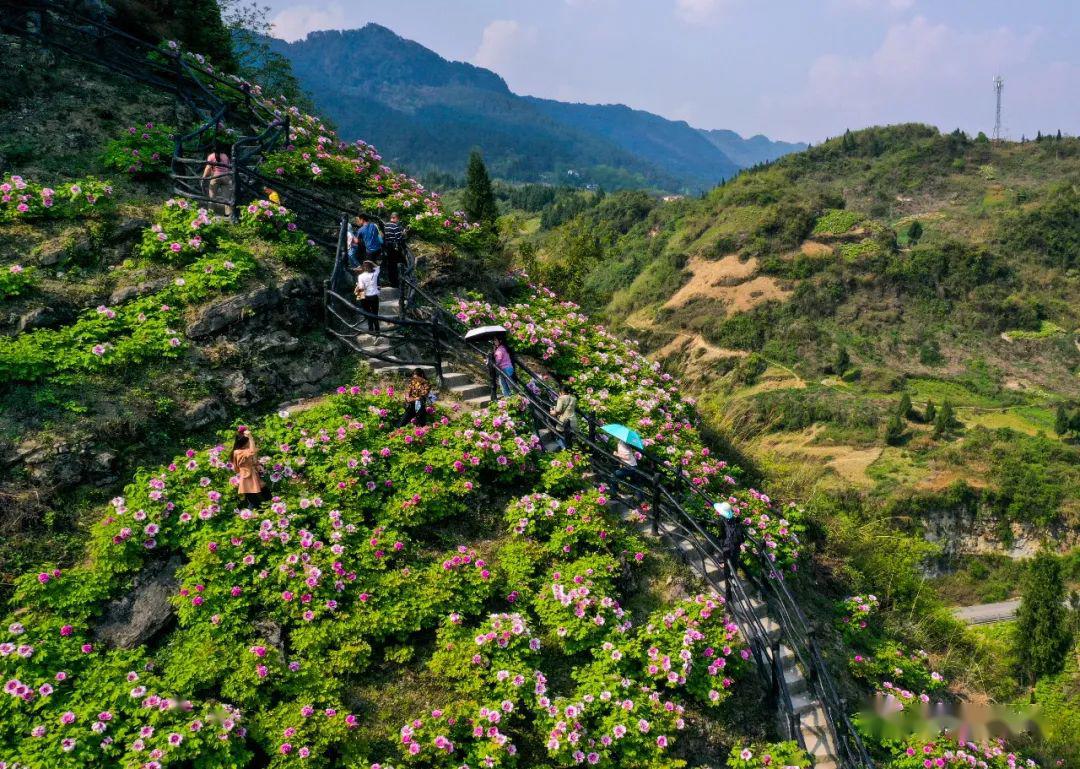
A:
[127,293]
[979,533]
[202,413]
[142,614]
[219,316]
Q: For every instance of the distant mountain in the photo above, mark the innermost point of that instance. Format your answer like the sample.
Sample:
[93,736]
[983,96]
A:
[420,109]
[749,152]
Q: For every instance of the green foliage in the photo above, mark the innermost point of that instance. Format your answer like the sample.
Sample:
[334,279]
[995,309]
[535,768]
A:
[143,152]
[945,421]
[1051,229]
[21,200]
[914,232]
[776,755]
[16,280]
[894,430]
[837,222]
[1042,633]
[479,199]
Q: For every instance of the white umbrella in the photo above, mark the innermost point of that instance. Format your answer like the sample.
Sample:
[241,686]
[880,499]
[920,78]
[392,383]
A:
[484,332]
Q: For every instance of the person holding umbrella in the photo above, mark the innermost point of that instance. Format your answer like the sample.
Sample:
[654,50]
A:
[504,363]
[627,441]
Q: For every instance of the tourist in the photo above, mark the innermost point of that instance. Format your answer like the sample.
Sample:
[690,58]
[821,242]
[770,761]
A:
[352,244]
[627,469]
[218,177]
[245,460]
[504,364]
[733,532]
[416,399]
[367,291]
[370,238]
[566,417]
[394,234]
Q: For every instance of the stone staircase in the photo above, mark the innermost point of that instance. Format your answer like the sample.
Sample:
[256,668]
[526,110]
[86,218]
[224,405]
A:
[459,385]
[813,721]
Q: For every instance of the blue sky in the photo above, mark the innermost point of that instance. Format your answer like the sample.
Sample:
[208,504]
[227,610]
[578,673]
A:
[792,69]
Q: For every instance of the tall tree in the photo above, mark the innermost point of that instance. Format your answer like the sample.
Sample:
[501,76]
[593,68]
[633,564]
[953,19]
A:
[479,197]
[945,420]
[904,409]
[1042,631]
[1061,420]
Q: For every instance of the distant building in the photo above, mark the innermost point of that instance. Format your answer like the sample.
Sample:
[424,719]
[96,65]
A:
[672,198]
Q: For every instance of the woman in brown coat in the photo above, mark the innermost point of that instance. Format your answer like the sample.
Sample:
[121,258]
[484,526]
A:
[245,459]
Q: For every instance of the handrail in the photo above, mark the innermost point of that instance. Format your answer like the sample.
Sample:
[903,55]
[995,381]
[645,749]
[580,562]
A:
[319,216]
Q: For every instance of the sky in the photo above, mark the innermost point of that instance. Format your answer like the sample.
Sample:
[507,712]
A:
[798,70]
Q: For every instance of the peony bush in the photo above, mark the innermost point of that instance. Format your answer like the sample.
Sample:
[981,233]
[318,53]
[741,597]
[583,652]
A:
[143,151]
[22,200]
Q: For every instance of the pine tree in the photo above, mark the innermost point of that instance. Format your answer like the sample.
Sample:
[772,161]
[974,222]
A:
[1059,135]
[1061,420]
[1042,633]
[894,430]
[914,232]
[904,409]
[931,413]
[843,360]
[945,420]
[479,198]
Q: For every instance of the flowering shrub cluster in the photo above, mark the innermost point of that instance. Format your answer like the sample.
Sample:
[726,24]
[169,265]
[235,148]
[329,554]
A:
[777,755]
[948,751]
[265,220]
[108,337]
[24,200]
[614,381]
[15,280]
[181,233]
[897,674]
[143,151]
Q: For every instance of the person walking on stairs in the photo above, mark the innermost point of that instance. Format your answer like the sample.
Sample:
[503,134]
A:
[394,234]
[627,469]
[367,291]
[217,174]
[565,413]
[504,364]
[416,399]
[370,238]
[245,459]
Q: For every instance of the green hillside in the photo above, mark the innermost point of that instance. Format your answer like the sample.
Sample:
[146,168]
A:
[886,270]
[466,593]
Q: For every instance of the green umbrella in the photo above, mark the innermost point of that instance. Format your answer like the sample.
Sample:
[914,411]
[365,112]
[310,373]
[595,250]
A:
[624,434]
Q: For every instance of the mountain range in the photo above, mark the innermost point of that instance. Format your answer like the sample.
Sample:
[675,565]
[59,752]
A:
[429,113]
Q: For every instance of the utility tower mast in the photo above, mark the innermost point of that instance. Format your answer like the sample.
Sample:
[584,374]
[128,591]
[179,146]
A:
[999,85]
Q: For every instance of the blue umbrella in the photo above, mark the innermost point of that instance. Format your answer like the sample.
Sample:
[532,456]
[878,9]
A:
[624,434]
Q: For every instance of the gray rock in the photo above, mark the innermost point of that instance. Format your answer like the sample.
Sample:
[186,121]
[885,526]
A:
[220,315]
[309,373]
[40,317]
[127,293]
[127,230]
[201,413]
[242,391]
[142,614]
[279,341]
[53,251]
[60,465]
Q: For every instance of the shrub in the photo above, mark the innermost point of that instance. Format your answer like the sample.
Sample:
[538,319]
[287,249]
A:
[836,221]
[143,151]
[16,280]
[23,200]
[776,755]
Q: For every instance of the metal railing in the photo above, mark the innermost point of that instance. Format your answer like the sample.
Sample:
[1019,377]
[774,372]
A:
[424,325]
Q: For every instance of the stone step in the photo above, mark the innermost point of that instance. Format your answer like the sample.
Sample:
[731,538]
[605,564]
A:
[453,379]
[471,390]
[795,681]
[771,628]
[803,703]
[478,402]
[388,294]
[787,656]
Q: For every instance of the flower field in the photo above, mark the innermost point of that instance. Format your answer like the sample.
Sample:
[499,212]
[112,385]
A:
[280,608]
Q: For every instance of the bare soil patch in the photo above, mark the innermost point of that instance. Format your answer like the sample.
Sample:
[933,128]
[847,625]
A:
[726,281]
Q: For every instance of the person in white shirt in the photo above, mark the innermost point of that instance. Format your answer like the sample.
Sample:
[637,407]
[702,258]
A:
[367,291]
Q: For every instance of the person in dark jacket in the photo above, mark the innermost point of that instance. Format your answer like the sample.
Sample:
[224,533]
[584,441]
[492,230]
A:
[394,234]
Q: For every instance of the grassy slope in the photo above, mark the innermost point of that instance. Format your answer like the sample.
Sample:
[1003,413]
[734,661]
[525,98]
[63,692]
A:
[766,264]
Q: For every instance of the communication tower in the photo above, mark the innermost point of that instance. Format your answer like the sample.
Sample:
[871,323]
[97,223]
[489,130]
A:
[999,86]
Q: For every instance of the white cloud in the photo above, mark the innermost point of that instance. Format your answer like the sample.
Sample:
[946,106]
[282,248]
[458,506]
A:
[502,41]
[921,71]
[889,5]
[295,22]
[695,11]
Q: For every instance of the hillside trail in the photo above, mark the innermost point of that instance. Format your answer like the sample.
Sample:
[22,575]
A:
[809,706]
